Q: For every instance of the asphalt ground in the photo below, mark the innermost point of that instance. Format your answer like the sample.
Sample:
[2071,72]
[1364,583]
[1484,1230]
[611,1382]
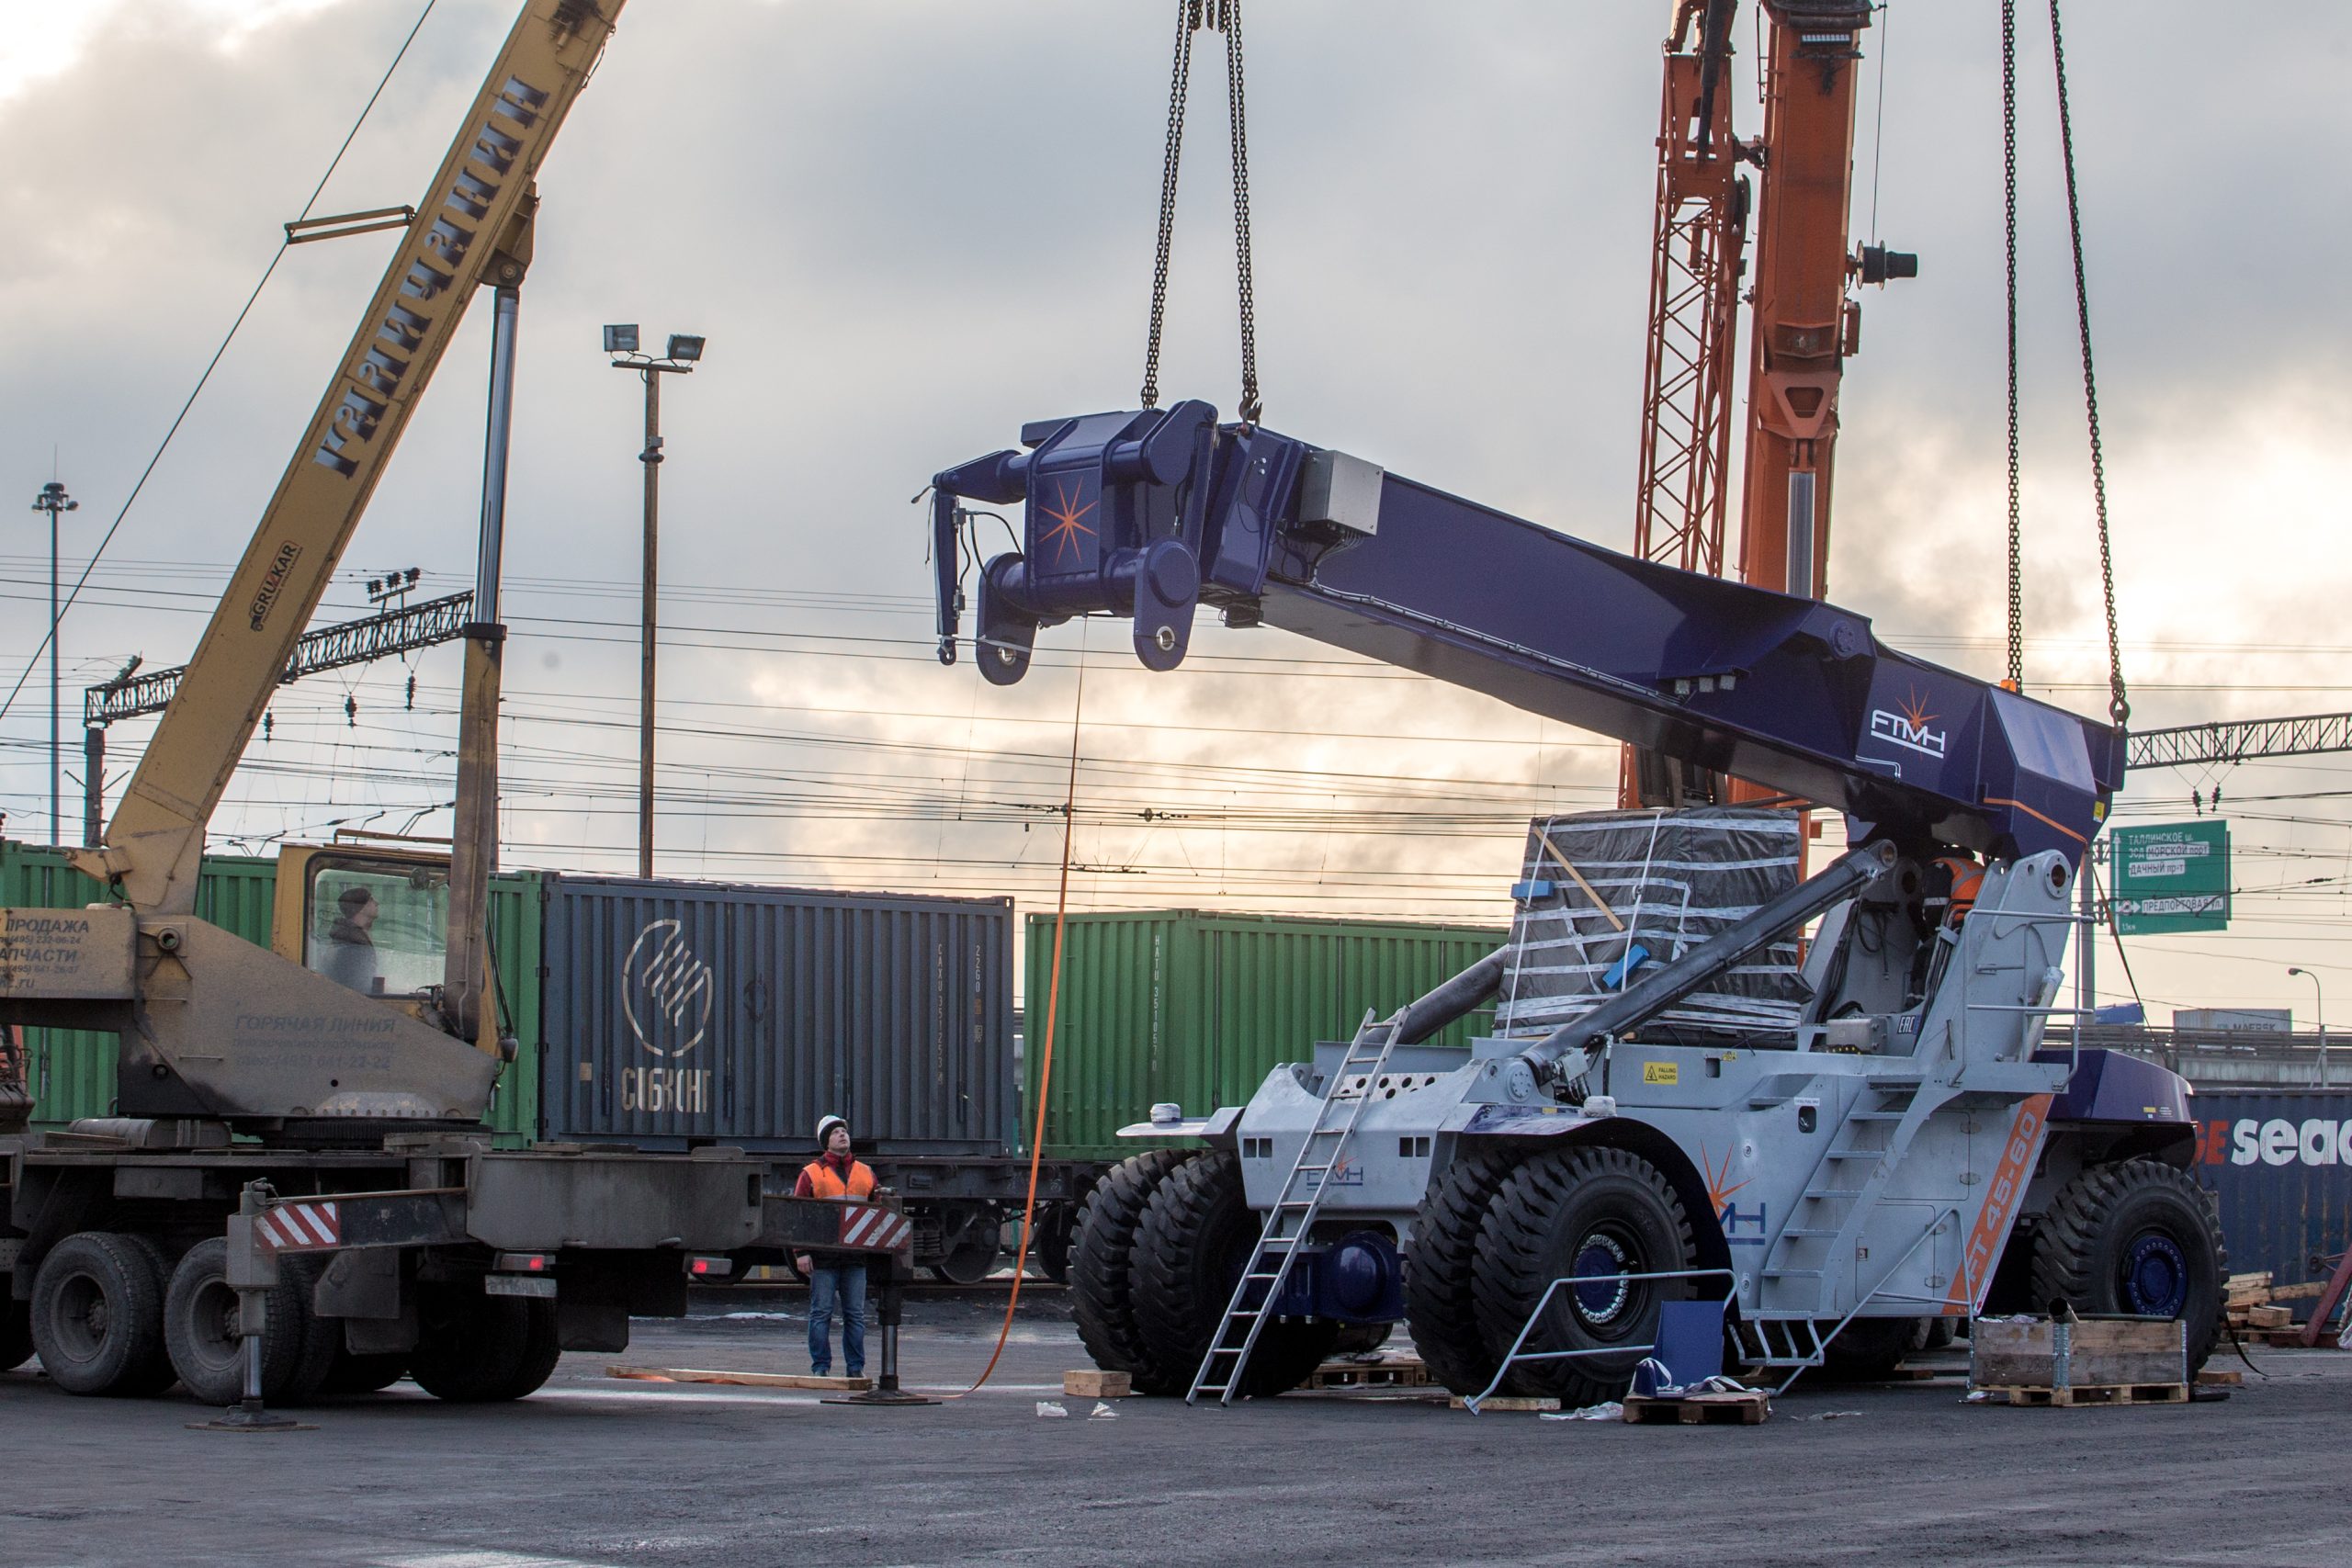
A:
[594,1470]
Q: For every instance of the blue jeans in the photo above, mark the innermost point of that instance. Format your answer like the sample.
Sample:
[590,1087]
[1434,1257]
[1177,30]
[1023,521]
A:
[844,1282]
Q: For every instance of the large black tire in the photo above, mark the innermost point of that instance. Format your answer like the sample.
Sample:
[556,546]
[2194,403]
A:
[98,1316]
[200,1330]
[2142,1238]
[1191,1250]
[1440,1313]
[474,1348]
[1580,1212]
[1102,1280]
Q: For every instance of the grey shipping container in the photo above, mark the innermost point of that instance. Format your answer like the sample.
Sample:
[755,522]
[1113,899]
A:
[679,1014]
[2280,1163]
[2253,1021]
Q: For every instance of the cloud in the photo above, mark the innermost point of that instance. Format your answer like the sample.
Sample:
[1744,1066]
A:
[908,228]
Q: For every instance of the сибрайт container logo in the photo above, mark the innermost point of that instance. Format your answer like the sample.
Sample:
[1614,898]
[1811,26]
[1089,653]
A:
[665,990]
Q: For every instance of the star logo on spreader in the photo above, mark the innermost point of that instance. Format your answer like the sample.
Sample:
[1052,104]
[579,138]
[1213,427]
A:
[1067,527]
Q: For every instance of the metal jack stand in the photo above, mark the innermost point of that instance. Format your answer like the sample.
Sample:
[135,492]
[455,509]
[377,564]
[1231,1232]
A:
[886,1390]
[252,1273]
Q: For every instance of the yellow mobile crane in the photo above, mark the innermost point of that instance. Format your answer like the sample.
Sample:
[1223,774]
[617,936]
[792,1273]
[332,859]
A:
[362,1216]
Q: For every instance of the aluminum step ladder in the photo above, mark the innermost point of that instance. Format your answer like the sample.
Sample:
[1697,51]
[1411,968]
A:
[1353,1085]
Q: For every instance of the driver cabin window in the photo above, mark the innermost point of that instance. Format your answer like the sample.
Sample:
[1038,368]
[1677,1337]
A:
[379,930]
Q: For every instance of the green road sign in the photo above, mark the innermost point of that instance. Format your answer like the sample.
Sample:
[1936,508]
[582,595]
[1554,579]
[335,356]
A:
[2172,878]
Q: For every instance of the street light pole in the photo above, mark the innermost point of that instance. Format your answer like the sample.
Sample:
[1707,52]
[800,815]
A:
[53,499]
[621,342]
[2319,1001]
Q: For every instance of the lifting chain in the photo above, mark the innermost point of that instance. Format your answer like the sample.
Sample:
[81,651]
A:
[2010,236]
[1192,17]
[2119,707]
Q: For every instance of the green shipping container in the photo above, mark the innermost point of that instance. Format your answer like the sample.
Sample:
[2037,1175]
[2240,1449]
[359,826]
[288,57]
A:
[1196,1008]
[71,1072]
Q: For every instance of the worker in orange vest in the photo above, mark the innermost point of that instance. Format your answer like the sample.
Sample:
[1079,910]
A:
[1954,883]
[835,1173]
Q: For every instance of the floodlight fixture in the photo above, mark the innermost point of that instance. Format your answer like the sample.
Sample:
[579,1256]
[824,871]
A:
[621,339]
[685,346]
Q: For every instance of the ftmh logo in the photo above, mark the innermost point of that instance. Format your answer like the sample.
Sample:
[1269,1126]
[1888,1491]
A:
[1913,728]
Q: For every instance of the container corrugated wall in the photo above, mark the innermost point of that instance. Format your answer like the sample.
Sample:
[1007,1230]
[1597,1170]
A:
[515,927]
[679,1014]
[1196,1008]
[2280,1163]
[71,1072]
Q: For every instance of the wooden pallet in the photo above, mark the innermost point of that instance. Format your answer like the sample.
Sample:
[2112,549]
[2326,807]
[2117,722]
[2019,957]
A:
[1750,1409]
[1394,1372]
[740,1379]
[2094,1393]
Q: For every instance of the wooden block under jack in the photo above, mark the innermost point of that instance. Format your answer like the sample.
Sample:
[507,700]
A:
[2268,1316]
[2220,1377]
[1091,1383]
[742,1379]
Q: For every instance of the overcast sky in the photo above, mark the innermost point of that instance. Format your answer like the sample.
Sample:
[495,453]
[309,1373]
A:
[909,228]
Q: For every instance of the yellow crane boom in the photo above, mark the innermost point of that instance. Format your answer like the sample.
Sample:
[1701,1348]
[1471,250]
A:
[471,228]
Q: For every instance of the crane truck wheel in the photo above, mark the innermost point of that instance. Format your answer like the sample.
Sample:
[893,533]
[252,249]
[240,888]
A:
[1195,1240]
[1580,1212]
[199,1322]
[2139,1238]
[98,1316]
[1102,1266]
[474,1348]
[15,1334]
[1440,1313]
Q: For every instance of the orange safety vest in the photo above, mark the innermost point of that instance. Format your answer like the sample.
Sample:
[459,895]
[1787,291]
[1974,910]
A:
[826,1183]
[1967,881]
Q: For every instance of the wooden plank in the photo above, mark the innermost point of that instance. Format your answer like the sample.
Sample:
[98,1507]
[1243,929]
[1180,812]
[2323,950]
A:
[742,1379]
[2220,1377]
[1089,1382]
[2304,1292]
[2269,1316]
[1598,901]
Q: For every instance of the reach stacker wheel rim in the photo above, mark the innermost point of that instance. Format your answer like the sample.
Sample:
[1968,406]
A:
[2155,1276]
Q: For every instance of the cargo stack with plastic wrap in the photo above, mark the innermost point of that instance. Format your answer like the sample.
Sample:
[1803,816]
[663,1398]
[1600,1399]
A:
[681,1014]
[1606,896]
